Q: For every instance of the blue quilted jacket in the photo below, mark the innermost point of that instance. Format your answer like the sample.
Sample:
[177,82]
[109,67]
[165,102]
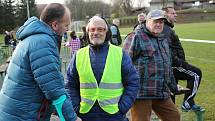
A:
[33,77]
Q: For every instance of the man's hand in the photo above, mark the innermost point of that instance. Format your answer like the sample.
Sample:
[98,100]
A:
[181,90]
[78,119]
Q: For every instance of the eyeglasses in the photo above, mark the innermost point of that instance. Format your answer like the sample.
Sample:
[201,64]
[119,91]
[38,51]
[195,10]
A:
[99,29]
[172,13]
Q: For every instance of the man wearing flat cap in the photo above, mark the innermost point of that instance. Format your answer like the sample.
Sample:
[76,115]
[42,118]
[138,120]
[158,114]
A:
[150,54]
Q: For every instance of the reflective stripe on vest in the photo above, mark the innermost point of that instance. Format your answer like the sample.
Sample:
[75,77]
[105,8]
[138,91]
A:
[101,85]
[110,89]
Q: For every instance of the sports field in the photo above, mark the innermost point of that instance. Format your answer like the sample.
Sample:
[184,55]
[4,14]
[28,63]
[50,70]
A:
[201,55]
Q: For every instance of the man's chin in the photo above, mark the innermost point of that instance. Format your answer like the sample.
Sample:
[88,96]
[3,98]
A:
[97,44]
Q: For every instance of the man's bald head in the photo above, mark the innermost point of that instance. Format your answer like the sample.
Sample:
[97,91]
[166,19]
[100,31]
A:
[53,11]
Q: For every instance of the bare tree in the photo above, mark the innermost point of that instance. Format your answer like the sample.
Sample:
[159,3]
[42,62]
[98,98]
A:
[80,9]
[164,3]
[127,6]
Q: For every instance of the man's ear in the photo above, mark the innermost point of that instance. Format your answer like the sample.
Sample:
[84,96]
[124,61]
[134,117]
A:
[54,25]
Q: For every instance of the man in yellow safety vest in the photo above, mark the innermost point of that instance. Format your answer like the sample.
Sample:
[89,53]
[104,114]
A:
[101,80]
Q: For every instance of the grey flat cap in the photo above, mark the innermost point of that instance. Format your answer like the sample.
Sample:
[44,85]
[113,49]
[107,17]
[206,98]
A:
[155,14]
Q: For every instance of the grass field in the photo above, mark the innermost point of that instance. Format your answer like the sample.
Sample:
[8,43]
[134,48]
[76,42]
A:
[1,38]
[196,30]
[201,55]
[204,31]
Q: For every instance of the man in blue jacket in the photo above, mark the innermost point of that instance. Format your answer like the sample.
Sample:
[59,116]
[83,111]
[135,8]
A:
[33,86]
[101,80]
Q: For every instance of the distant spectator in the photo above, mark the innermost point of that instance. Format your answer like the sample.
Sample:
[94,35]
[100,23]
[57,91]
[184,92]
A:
[65,37]
[116,37]
[141,19]
[83,38]
[74,43]
[13,40]
[7,38]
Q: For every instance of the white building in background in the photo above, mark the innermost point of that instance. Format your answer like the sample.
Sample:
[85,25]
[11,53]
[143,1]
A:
[181,4]
[157,4]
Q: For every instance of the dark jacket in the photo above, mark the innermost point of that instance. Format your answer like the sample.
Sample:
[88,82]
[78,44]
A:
[130,80]
[84,40]
[177,51]
[151,56]
[7,39]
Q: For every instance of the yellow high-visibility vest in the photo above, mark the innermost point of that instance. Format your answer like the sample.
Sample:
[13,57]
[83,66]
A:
[110,88]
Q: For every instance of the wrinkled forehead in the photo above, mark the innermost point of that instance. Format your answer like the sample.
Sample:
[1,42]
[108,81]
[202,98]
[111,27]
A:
[97,22]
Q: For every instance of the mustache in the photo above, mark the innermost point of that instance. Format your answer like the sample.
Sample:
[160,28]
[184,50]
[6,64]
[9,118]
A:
[96,36]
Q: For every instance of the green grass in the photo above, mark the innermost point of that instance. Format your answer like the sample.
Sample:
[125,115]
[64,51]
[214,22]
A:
[204,30]
[1,38]
[201,55]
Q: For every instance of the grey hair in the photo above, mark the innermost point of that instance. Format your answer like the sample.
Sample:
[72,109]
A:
[141,14]
[95,18]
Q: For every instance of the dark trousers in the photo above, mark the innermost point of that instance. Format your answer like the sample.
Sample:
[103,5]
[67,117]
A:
[96,113]
[193,76]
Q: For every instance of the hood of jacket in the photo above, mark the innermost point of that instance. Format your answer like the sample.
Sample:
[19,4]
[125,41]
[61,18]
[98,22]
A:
[168,23]
[34,26]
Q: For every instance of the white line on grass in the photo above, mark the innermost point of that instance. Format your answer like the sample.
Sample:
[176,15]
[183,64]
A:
[192,40]
[182,39]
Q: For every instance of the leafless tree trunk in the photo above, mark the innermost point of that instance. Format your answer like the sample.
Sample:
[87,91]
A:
[127,6]
[164,3]
[80,9]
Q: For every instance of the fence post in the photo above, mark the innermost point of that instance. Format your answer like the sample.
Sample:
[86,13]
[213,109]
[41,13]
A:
[199,115]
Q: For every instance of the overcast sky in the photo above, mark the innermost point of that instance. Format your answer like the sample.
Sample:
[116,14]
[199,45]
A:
[48,1]
[144,2]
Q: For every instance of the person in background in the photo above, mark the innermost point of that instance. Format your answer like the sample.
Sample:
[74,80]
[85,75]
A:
[101,79]
[181,68]
[65,37]
[141,19]
[83,37]
[129,37]
[116,37]
[13,41]
[74,43]
[7,38]
[150,54]
[34,86]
